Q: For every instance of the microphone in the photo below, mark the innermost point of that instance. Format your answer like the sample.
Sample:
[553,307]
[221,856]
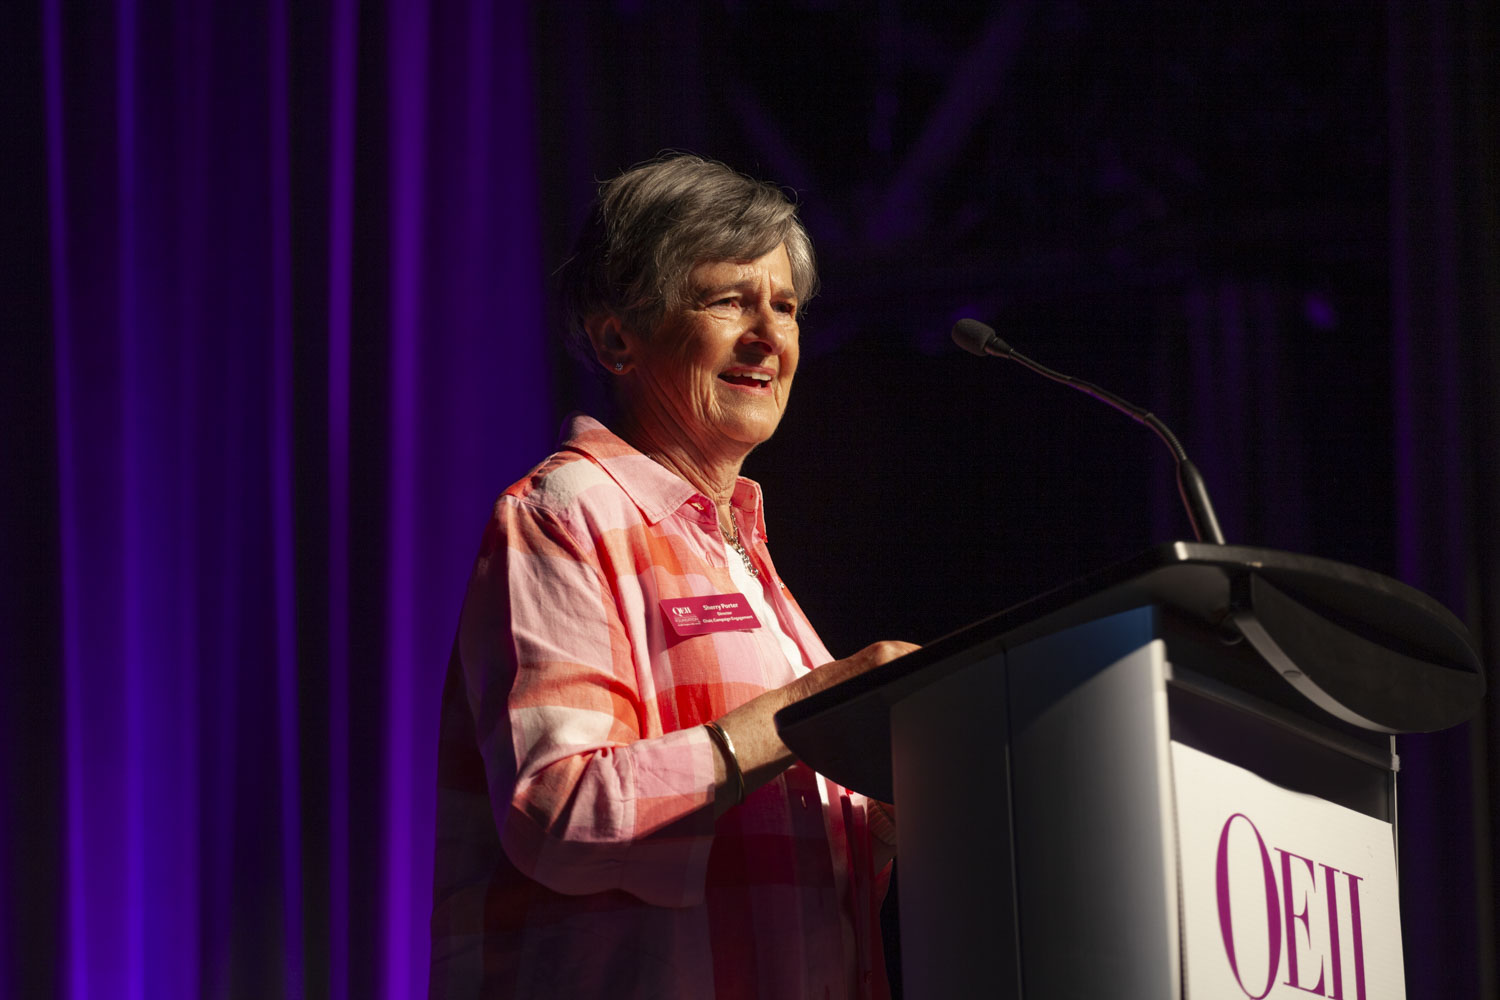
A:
[977,338]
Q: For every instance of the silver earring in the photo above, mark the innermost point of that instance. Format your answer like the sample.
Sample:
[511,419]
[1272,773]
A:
[619,366]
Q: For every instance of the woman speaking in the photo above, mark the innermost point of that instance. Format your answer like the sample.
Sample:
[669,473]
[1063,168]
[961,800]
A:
[617,816]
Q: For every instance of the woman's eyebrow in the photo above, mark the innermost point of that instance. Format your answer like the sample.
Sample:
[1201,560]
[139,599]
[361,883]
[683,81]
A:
[744,285]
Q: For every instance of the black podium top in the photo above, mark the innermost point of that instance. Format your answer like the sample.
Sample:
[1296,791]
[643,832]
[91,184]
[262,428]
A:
[1364,648]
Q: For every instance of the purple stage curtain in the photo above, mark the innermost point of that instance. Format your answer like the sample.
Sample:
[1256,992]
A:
[297,349]
[1445,306]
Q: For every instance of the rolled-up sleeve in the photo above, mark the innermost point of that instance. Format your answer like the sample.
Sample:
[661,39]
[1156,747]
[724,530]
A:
[585,801]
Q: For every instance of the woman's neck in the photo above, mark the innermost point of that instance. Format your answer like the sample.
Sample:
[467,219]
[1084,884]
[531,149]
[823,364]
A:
[715,478]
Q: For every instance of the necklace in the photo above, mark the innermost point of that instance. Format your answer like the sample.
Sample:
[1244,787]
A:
[733,538]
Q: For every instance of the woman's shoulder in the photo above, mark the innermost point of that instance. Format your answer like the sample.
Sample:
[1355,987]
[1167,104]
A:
[597,482]
[565,481]
[566,496]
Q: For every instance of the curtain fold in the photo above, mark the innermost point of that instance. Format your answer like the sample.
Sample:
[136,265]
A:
[1443,316]
[297,350]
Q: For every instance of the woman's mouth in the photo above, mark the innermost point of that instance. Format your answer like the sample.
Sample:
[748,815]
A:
[757,380]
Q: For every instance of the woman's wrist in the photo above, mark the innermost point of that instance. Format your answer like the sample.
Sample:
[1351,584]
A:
[734,774]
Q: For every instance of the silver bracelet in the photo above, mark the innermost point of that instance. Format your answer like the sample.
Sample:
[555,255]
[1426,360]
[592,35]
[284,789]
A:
[727,745]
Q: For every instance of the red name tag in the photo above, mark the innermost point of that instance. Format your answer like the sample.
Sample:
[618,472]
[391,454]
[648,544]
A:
[701,615]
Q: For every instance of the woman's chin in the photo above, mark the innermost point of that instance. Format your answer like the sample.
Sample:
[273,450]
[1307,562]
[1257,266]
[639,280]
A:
[751,432]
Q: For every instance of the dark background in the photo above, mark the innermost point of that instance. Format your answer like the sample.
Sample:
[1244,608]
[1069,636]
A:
[1185,203]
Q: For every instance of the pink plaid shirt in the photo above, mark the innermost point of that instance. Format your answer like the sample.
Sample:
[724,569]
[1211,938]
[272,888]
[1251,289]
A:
[577,853]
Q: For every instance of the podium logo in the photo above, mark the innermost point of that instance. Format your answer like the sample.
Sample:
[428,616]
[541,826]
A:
[1299,908]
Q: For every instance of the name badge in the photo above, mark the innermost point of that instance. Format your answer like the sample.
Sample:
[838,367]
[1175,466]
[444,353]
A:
[702,615]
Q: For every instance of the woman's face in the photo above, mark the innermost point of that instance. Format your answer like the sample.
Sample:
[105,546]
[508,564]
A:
[717,372]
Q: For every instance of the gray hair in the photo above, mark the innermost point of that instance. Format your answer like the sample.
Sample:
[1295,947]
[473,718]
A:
[650,226]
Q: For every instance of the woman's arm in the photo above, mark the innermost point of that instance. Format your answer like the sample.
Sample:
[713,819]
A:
[584,799]
[760,752]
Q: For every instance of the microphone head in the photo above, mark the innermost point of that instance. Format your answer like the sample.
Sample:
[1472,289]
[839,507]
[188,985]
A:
[977,338]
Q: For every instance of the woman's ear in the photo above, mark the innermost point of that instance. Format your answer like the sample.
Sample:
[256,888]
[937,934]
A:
[611,343]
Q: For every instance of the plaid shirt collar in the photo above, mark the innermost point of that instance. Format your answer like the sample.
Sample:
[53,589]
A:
[656,490]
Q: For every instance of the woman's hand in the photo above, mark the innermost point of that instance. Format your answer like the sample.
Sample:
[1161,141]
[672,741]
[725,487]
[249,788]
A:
[838,671]
[752,726]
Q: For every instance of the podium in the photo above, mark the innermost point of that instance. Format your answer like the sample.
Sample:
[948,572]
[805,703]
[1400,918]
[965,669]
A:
[1175,777]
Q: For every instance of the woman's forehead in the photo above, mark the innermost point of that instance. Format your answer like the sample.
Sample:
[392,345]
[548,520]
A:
[776,264]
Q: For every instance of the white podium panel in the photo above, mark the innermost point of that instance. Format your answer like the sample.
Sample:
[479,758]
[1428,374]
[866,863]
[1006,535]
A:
[1284,895]
[1080,849]
[1096,865]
